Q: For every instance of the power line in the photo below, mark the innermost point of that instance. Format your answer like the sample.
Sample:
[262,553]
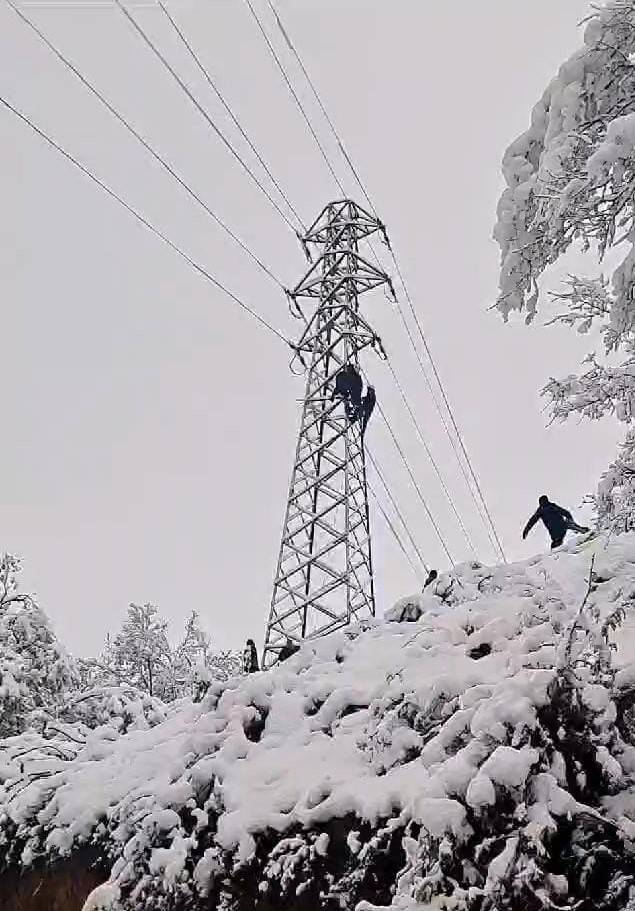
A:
[413,345]
[431,457]
[394,531]
[135,133]
[482,510]
[227,107]
[447,405]
[415,483]
[295,97]
[166,240]
[395,506]
[140,31]
[317,97]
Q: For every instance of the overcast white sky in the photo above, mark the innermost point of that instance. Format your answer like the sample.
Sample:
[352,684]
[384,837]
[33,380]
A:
[149,425]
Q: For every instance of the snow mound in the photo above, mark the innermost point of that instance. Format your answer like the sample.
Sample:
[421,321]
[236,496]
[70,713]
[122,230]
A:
[437,757]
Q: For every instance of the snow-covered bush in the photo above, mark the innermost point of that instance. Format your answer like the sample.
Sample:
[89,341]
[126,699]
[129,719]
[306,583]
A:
[35,671]
[196,666]
[122,708]
[478,755]
[571,182]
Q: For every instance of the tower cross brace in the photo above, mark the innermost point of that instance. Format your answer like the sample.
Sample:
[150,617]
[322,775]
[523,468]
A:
[324,575]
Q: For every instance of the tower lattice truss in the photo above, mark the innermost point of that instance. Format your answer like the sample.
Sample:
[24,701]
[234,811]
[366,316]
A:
[324,576]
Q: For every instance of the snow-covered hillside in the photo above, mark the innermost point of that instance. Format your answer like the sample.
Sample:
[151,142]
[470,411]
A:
[473,750]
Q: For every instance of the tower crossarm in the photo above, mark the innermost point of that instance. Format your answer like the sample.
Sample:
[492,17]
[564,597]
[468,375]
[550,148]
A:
[344,212]
[331,267]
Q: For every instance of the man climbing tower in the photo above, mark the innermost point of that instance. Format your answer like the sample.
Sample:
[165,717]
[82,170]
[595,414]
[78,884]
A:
[348,386]
[558,521]
[366,409]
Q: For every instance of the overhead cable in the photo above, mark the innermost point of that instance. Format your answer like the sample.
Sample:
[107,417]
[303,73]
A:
[415,483]
[226,105]
[395,506]
[448,496]
[199,107]
[141,218]
[135,133]
[317,97]
[447,405]
[394,531]
[295,96]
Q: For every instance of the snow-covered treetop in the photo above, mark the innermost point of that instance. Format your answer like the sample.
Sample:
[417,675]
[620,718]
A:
[570,175]
[462,742]
[35,670]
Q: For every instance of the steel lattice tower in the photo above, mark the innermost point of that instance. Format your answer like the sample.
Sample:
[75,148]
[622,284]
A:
[324,577]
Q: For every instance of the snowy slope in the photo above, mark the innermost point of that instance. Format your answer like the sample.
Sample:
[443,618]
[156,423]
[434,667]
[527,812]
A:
[426,762]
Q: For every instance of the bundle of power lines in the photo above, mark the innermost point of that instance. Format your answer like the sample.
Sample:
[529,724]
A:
[263,177]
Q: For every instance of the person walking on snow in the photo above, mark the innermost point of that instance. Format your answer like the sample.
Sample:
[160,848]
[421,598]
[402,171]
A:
[558,521]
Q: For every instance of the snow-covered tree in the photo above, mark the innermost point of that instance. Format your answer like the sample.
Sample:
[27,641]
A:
[571,183]
[139,655]
[190,655]
[195,665]
[35,671]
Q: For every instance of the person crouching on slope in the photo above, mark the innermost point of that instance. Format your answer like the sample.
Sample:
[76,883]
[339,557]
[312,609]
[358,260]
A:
[558,521]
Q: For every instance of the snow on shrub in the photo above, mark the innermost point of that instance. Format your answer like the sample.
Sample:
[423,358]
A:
[400,765]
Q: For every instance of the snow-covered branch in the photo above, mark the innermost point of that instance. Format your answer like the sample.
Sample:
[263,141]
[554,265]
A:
[570,175]
[601,390]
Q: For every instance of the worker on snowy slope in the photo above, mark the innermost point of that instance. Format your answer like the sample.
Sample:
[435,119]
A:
[432,577]
[558,521]
[288,649]
[250,658]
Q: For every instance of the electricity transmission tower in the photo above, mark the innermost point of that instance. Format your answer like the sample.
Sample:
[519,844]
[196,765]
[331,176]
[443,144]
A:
[324,577]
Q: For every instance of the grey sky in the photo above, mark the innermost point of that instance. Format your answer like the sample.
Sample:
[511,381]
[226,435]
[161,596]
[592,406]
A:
[148,424]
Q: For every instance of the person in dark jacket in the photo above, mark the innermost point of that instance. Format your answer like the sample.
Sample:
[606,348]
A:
[250,658]
[348,386]
[432,575]
[368,403]
[557,520]
[288,649]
